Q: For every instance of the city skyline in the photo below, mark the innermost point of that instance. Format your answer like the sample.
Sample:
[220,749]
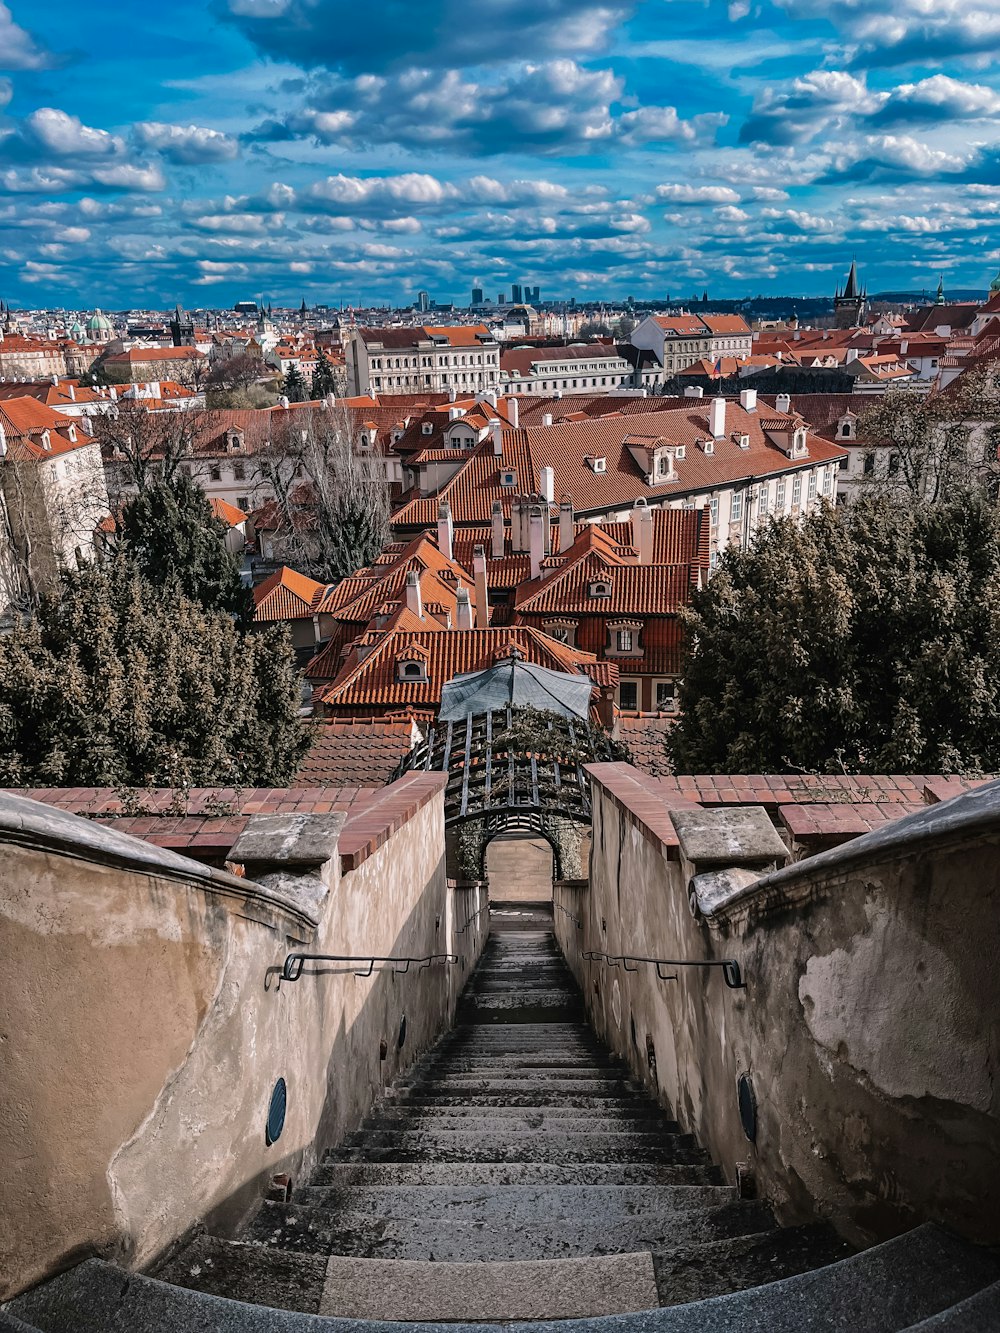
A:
[602,147]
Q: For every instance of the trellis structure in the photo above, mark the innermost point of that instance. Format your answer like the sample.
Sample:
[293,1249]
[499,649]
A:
[510,770]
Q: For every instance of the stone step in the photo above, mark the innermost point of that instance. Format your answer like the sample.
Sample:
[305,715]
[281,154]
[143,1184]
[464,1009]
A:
[558,1108]
[895,1287]
[691,1272]
[497,1175]
[557,1149]
[528,1122]
[380,1290]
[619,1090]
[359,1235]
[516,1203]
[517,1064]
[976,1314]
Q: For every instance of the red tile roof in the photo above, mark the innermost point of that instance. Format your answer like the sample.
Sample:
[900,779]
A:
[362,752]
[287,595]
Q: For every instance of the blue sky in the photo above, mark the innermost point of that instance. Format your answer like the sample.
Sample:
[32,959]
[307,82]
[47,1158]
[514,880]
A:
[211,150]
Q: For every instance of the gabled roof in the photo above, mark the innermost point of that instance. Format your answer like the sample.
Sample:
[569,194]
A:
[370,678]
[287,595]
[567,447]
[228,513]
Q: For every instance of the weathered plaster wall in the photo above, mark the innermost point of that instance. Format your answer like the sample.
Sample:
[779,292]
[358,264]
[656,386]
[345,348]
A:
[142,1028]
[869,1025]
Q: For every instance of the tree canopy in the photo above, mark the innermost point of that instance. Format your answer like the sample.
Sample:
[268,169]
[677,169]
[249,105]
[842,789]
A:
[863,640]
[118,683]
[173,538]
[323,381]
[293,386]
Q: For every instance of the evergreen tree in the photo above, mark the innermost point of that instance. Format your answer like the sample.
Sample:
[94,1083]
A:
[118,683]
[323,382]
[172,537]
[864,639]
[293,386]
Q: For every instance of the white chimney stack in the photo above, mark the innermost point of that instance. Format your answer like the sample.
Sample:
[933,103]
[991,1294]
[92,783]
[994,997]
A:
[446,529]
[536,538]
[748,400]
[498,530]
[694,391]
[414,601]
[635,518]
[783,404]
[452,393]
[567,523]
[547,482]
[546,418]
[852,355]
[463,607]
[717,418]
[482,592]
[513,412]
[496,431]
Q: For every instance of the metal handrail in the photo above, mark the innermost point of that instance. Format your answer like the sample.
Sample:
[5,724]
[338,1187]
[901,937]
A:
[566,912]
[292,969]
[469,920]
[731,972]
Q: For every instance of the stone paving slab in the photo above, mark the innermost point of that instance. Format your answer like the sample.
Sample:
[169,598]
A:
[567,1289]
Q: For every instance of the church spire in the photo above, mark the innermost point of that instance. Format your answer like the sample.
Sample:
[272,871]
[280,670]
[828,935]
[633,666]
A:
[940,292]
[851,290]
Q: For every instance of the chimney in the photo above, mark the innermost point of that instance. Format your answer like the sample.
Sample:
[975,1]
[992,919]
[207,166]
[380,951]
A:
[694,391]
[452,394]
[783,404]
[72,392]
[567,523]
[454,413]
[496,430]
[513,412]
[546,418]
[748,400]
[904,346]
[645,543]
[482,593]
[536,525]
[414,602]
[852,355]
[717,418]
[547,484]
[635,518]
[498,531]
[446,529]
[464,607]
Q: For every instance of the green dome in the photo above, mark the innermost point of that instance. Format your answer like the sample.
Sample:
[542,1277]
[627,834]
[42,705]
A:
[99,323]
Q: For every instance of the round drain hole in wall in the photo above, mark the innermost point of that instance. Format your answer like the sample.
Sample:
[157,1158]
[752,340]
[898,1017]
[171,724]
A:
[402,1032]
[748,1106]
[276,1113]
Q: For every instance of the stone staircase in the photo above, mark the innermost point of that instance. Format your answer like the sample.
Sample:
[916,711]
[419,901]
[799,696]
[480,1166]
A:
[518,1173]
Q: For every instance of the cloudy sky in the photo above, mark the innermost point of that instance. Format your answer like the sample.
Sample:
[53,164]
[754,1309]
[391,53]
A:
[350,150]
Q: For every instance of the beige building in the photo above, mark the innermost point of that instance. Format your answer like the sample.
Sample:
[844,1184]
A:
[422,359]
[52,498]
[681,340]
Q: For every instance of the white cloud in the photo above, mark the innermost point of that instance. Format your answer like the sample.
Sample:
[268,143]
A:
[18,49]
[697,194]
[186,144]
[66,136]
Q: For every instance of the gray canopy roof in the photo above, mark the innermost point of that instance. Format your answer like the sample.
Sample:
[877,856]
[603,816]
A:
[519,683]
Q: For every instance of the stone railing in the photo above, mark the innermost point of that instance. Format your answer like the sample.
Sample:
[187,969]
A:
[857,1075]
[143,1029]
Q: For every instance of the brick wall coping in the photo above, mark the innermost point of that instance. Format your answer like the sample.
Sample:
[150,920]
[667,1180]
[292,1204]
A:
[56,832]
[215,817]
[847,821]
[971,816]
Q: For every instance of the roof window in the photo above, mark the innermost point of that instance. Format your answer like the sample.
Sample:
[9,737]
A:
[600,588]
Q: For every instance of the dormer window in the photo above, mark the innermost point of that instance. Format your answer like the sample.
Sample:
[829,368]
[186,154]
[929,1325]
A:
[744,441]
[799,441]
[411,671]
[563,631]
[596,464]
[427,428]
[707,446]
[600,588]
[624,638]
[680,451]
[508,479]
[46,440]
[234,440]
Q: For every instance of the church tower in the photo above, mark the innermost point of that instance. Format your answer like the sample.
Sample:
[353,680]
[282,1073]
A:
[850,304]
[182,328]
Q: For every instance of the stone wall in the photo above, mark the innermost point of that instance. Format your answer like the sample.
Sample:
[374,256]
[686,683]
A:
[868,1025]
[143,1027]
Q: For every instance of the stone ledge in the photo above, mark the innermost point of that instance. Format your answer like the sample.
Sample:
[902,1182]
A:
[49,829]
[643,803]
[366,831]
